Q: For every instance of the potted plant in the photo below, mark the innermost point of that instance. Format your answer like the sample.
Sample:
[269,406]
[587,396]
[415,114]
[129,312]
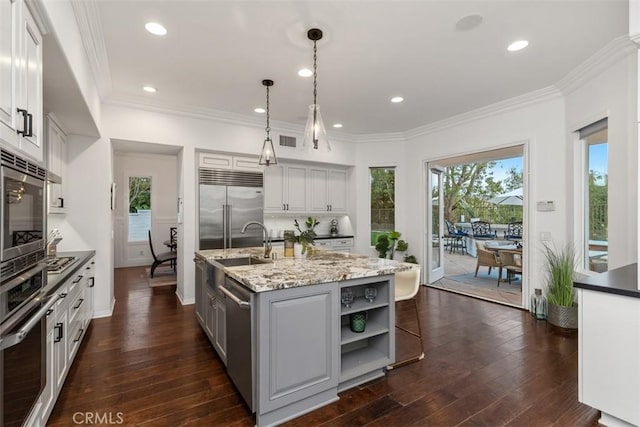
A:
[560,266]
[305,239]
[388,243]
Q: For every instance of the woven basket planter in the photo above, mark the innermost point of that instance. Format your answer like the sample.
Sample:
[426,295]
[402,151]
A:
[562,316]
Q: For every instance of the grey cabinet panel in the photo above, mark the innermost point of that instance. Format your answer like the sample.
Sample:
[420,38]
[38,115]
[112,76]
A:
[220,338]
[298,344]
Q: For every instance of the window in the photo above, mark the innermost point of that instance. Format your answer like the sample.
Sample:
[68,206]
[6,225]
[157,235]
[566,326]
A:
[139,208]
[596,175]
[383,201]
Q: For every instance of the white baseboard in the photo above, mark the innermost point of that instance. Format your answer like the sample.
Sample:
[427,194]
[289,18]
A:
[182,300]
[104,313]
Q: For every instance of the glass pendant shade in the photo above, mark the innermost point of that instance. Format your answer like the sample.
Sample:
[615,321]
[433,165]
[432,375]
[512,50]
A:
[268,154]
[315,134]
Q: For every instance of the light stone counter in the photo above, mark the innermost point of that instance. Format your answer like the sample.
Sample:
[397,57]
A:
[323,266]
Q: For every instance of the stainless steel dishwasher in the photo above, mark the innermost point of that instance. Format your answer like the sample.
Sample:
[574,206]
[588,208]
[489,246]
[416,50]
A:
[239,302]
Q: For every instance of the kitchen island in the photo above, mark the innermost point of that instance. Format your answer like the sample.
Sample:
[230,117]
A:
[298,343]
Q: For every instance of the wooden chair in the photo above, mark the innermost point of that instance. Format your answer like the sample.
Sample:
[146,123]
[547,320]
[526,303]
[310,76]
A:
[487,258]
[173,241]
[161,258]
[512,262]
[407,284]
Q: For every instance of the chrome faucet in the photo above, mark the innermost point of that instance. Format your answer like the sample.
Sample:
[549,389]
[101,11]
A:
[267,239]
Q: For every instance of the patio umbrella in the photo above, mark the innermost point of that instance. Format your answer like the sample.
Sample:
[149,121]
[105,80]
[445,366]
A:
[512,198]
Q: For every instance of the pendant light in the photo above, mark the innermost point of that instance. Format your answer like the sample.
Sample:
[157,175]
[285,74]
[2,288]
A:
[315,134]
[268,154]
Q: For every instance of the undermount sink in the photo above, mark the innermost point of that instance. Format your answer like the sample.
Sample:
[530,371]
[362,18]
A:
[234,262]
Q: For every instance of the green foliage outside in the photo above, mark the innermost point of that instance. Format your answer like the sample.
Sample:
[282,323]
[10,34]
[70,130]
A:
[468,186]
[598,217]
[382,201]
[139,193]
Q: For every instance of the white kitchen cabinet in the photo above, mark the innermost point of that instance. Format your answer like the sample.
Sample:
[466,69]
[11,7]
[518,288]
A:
[338,190]
[67,322]
[327,190]
[20,79]
[285,188]
[228,161]
[56,165]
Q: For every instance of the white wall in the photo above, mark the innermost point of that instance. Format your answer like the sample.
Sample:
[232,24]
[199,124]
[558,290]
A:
[163,172]
[88,222]
[132,124]
[612,94]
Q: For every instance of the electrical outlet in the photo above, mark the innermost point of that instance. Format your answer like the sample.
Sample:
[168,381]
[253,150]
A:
[545,236]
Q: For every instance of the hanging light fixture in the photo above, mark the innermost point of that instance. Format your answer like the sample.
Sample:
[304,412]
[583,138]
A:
[315,135]
[268,154]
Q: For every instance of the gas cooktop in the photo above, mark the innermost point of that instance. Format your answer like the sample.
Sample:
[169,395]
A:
[59,264]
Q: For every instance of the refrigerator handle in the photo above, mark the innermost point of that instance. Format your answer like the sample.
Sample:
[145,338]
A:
[224,226]
[229,222]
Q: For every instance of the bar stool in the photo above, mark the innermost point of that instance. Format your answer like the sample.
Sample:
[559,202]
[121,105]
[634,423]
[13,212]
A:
[407,284]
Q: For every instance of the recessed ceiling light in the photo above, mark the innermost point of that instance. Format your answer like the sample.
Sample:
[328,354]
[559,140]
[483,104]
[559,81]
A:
[150,89]
[469,22]
[260,110]
[518,45]
[337,125]
[305,72]
[397,99]
[155,28]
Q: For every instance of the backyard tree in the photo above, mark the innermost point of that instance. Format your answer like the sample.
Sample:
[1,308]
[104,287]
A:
[462,183]
[139,193]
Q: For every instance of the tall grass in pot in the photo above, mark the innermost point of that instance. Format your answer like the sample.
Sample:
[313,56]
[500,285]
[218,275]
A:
[560,265]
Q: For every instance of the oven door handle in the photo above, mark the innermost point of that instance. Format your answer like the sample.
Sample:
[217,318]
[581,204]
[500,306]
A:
[24,276]
[17,338]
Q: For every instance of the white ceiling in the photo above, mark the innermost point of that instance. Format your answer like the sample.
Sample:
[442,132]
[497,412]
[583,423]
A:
[216,54]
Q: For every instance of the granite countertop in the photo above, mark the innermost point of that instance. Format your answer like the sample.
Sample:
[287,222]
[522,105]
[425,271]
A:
[620,281]
[55,280]
[323,267]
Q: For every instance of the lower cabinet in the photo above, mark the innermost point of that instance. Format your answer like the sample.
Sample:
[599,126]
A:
[67,322]
[211,310]
[298,349]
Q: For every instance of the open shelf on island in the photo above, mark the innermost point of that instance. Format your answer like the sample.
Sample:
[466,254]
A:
[372,329]
[361,304]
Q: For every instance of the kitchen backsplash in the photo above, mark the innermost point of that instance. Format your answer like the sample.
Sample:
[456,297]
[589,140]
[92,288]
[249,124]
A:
[277,224]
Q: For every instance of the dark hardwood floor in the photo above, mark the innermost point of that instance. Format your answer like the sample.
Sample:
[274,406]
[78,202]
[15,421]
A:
[485,365]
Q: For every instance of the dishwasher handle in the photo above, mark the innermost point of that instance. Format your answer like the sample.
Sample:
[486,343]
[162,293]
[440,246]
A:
[241,303]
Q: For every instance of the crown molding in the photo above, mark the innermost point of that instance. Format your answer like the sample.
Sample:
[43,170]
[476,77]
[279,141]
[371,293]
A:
[515,103]
[39,16]
[612,52]
[379,137]
[89,23]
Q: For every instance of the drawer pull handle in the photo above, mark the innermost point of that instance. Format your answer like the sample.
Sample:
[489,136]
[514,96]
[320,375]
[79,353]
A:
[63,295]
[80,332]
[79,304]
[78,279]
[59,331]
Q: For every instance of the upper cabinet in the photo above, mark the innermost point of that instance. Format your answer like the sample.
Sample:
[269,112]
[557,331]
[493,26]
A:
[228,161]
[20,79]
[305,189]
[285,188]
[56,164]
[328,190]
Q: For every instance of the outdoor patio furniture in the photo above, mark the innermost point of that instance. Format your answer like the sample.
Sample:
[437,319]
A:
[514,231]
[512,262]
[487,258]
[456,238]
[482,230]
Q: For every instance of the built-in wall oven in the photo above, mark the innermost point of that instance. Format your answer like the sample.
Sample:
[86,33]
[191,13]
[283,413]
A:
[23,278]
[24,307]
[23,206]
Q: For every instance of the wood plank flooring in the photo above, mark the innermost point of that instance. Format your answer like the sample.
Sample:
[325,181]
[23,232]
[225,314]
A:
[485,365]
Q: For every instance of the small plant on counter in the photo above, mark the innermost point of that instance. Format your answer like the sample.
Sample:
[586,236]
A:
[390,242]
[306,237]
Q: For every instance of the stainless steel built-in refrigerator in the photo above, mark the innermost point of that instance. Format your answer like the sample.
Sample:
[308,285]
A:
[228,200]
